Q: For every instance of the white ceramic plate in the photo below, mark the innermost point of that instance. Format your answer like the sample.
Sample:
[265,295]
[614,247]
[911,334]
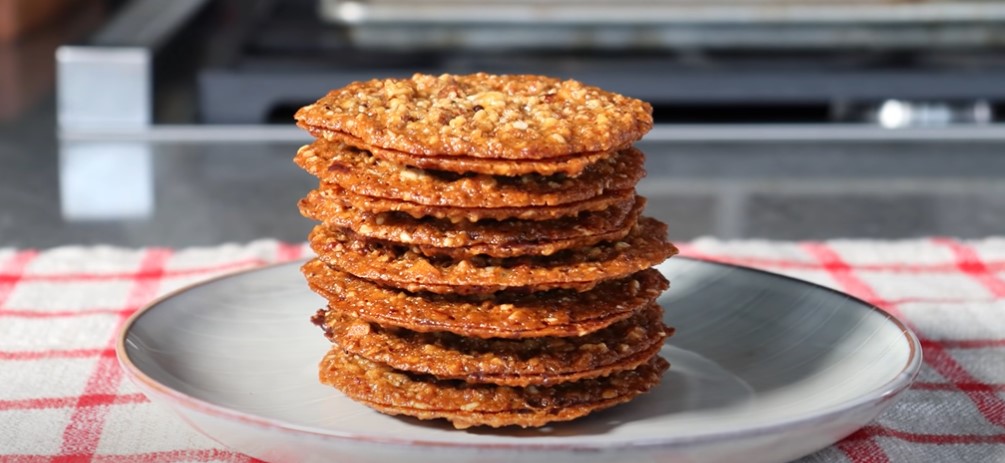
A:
[764,369]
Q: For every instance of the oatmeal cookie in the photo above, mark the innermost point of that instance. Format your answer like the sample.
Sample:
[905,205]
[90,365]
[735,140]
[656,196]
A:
[358,171]
[465,239]
[397,265]
[474,214]
[510,315]
[572,165]
[506,362]
[481,115]
[464,404]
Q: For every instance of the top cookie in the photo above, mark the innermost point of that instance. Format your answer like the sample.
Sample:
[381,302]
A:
[481,116]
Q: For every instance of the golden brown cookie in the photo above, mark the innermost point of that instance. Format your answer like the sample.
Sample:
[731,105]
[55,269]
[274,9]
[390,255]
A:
[481,116]
[465,404]
[358,171]
[397,265]
[506,362]
[572,165]
[332,192]
[467,239]
[502,315]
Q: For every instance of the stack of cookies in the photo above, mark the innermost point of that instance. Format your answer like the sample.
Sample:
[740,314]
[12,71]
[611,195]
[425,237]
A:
[482,248]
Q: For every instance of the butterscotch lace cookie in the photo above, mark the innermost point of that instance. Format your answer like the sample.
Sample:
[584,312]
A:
[474,214]
[466,239]
[464,404]
[363,174]
[506,362]
[397,265]
[510,315]
[481,116]
[571,165]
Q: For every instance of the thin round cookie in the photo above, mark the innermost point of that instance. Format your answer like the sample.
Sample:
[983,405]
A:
[357,171]
[474,214]
[571,165]
[481,116]
[505,362]
[397,265]
[325,206]
[503,315]
[464,239]
[465,405]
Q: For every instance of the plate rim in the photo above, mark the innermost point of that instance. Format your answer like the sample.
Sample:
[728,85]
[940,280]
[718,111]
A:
[885,392]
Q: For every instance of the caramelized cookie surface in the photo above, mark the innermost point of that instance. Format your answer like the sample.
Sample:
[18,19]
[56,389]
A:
[361,173]
[571,165]
[507,362]
[481,116]
[464,405]
[494,238]
[511,315]
[583,268]
[473,214]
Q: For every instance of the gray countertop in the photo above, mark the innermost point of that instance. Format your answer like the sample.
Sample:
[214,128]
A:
[175,189]
[173,192]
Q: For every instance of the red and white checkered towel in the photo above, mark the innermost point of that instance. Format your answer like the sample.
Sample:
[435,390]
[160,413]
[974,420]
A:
[64,399]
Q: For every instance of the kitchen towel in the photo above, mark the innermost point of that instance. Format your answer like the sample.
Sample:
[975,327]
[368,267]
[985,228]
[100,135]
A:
[63,397]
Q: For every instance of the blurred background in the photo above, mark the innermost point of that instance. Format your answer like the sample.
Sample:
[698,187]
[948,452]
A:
[152,122]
